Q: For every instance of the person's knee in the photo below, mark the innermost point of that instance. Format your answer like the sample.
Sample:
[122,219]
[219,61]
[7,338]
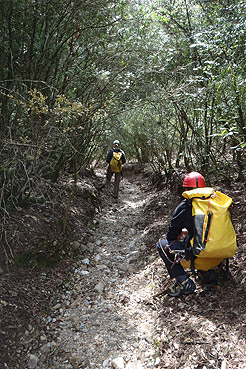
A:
[161,244]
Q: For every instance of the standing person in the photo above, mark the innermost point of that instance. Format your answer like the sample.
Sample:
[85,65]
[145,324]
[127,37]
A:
[187,225]
[115,158]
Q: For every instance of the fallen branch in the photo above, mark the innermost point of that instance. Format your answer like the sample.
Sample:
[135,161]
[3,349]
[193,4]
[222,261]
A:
[159,293]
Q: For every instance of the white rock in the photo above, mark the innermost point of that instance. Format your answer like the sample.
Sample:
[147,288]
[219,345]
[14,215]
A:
[157,361]
[118,363]
[86,261]
[84,272]
[99,287]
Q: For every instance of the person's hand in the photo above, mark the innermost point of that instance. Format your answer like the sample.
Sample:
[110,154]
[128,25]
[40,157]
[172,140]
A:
[183,234]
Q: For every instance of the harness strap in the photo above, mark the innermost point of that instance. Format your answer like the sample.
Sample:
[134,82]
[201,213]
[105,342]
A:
[168,247]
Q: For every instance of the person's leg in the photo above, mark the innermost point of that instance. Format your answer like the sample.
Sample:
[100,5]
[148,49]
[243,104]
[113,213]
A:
[116,185]
[108,178]
[174,270]
[183,285]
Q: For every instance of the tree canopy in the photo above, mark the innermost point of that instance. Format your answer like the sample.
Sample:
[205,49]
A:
[167,78]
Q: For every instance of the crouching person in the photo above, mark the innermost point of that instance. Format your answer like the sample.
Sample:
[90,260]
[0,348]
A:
[202,218]
[180,231]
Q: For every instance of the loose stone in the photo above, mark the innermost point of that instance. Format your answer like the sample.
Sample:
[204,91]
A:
[118,363]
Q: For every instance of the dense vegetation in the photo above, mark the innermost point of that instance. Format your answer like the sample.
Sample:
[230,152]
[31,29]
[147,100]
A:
[167,78]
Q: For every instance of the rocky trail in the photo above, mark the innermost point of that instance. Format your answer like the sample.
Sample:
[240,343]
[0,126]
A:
[106,315]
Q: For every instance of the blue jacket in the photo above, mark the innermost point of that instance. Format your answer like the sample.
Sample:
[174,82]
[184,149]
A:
[182,218]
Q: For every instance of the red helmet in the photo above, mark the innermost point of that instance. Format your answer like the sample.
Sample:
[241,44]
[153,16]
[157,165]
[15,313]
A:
[194,179]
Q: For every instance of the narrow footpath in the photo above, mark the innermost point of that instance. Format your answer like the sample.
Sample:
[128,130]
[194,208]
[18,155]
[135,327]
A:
[103,318]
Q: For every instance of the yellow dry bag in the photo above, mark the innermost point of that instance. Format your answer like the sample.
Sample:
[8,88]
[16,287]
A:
[116,162]
[214,235]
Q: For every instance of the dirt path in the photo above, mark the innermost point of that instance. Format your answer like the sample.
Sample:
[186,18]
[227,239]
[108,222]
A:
[106,316]
[104,313]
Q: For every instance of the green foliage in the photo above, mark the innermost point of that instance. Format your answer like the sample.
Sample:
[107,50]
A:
[165,78]
[44,141]
[198,83]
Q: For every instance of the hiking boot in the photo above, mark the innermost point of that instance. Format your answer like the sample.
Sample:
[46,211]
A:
[185,287]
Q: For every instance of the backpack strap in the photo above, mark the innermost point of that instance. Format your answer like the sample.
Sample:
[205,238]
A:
[189,255]
[192,265]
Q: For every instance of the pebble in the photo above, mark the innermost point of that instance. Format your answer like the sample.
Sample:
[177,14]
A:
[86,261]
[84,272]
[97,258]
[118,363]
[124,267]
[32,362]
[45,349]
[76,245]
[102,266]
[99,287]
[57,306]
